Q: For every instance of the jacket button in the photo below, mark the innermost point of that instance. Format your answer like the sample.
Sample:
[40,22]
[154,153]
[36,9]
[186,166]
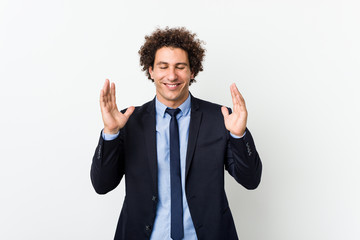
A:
[154,198]
[147,228]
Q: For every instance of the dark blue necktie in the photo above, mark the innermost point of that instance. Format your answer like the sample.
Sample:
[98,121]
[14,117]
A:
[177,228]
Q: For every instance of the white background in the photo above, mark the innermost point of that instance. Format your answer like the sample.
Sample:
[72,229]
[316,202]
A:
[296,63]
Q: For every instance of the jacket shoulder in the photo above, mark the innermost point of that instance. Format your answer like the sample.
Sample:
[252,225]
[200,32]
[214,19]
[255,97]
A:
[204,105]
[146,107]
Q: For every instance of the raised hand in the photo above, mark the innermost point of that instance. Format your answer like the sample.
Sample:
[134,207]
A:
[236,121]
[112,118]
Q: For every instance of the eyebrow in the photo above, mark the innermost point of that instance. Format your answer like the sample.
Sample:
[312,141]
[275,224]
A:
[180,63]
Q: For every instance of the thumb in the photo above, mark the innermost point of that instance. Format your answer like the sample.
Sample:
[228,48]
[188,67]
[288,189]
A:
[224,111]
[129,111]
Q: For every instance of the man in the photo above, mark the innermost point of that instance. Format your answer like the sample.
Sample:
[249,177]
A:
[173,149]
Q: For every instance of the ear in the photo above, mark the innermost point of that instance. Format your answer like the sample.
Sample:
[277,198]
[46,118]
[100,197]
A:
[192,75]
[151,72]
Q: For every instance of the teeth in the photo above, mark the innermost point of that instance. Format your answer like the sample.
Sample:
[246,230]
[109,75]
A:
[172,85]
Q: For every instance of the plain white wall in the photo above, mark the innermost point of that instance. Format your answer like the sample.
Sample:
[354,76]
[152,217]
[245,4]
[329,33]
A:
[296,63]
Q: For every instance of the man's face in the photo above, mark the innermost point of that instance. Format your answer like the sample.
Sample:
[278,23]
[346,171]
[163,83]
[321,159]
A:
[171,75]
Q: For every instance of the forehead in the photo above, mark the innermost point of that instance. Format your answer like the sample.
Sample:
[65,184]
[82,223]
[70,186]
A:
[171,55]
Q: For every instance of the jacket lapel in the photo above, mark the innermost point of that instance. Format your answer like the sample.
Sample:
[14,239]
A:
[149,129]
[195,120]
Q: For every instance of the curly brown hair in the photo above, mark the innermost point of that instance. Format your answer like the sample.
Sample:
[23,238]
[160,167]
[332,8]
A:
[172,37]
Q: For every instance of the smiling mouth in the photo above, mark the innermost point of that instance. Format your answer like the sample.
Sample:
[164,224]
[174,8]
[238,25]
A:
[173,85]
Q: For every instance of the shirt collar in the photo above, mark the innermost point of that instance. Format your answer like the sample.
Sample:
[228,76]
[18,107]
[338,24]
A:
[184,107]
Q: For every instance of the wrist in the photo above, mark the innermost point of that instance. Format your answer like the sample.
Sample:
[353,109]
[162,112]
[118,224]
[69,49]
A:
[110,131]
[239,133]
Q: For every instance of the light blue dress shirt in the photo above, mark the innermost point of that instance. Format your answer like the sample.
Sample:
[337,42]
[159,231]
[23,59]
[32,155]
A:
[162,225]
[161,229]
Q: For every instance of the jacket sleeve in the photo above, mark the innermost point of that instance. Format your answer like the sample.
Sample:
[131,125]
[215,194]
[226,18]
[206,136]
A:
[107,168]
[243,162]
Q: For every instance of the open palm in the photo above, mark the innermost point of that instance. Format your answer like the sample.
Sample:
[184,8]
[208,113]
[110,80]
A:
[113,119]
[236,121]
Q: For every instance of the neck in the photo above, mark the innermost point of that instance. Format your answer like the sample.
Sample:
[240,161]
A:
[173,103]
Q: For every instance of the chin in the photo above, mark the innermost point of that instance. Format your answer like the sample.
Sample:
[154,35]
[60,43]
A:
[172,98]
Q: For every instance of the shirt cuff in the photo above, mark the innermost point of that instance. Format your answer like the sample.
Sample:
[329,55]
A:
[237,137]
[108,136]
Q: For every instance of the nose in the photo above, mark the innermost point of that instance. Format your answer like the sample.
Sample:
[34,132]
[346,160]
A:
[172,74]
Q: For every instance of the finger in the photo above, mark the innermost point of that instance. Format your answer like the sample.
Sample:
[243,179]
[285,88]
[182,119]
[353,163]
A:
[105,91]
[105,94]
[106,87]
[239,95]
[234,97]
[224,111]
[103,98]
[102,101]
[232,93]
[236,93]
[239,99]
[129,111]
[113,95]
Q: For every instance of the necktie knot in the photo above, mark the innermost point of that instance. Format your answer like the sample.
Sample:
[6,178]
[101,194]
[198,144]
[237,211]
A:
[172,112]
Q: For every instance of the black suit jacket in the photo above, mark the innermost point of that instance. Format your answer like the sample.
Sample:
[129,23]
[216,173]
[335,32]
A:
[210,149]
